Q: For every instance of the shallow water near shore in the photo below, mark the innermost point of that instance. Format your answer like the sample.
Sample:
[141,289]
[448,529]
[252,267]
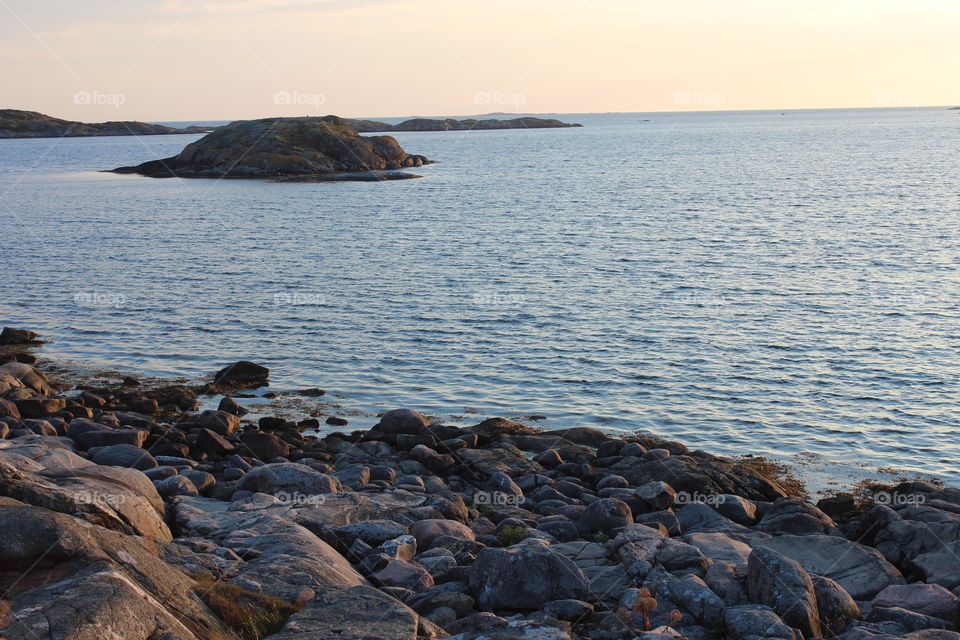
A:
[766,283]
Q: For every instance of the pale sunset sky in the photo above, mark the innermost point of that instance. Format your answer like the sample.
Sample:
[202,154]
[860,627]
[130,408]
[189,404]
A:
[95,60]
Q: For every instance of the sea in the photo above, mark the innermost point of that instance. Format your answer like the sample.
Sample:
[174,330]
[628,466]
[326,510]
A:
[776,283]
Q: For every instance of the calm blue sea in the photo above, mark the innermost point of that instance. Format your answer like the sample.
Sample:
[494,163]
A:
[756,282]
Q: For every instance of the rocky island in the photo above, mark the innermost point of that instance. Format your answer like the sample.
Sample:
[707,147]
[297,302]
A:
[30,124]
[286,148]
[128,512]
[451,124]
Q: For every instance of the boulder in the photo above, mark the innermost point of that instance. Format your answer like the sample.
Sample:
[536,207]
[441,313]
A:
[795,516]
[925,599]
[230,405]
[525,576]
[203,481]
[397,421]
[241,375]
[112,497]
[357,613]
[123,455]
[861,571]
[288,478]
[11,336]
[696,598]
[27,376]
[373,532]
[283,559]
[213,444]
[263,446]
[719,547]
[699,518]
[941,564]
[426,531]
[756,621]
[108,437]
[9,409]
[175,486]
[408,575]
[835,606]
[736,508]
[570,610]
[607,515]
[695,473]
[657,495]
[90,583]
[220,422]
[38,407]
[782,584]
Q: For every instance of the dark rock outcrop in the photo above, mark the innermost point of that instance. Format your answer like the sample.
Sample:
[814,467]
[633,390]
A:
[285,148]
[15,123]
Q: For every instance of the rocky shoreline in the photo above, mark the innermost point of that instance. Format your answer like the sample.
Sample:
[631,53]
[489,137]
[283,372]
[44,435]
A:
[127,513]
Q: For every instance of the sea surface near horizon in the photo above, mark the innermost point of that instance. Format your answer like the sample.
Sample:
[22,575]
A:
[778,283]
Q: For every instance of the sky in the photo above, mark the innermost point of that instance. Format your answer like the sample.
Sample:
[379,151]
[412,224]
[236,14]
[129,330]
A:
[175,60]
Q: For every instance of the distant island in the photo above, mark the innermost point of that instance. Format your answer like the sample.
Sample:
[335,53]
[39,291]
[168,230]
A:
[15,123]
[286,149]
[450,124]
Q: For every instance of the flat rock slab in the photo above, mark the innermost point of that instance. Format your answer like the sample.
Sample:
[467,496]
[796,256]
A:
[284,559]
[360,613]
[120,499]
[861,571]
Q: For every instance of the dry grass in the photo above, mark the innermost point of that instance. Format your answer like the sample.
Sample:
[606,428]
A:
[251,615]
